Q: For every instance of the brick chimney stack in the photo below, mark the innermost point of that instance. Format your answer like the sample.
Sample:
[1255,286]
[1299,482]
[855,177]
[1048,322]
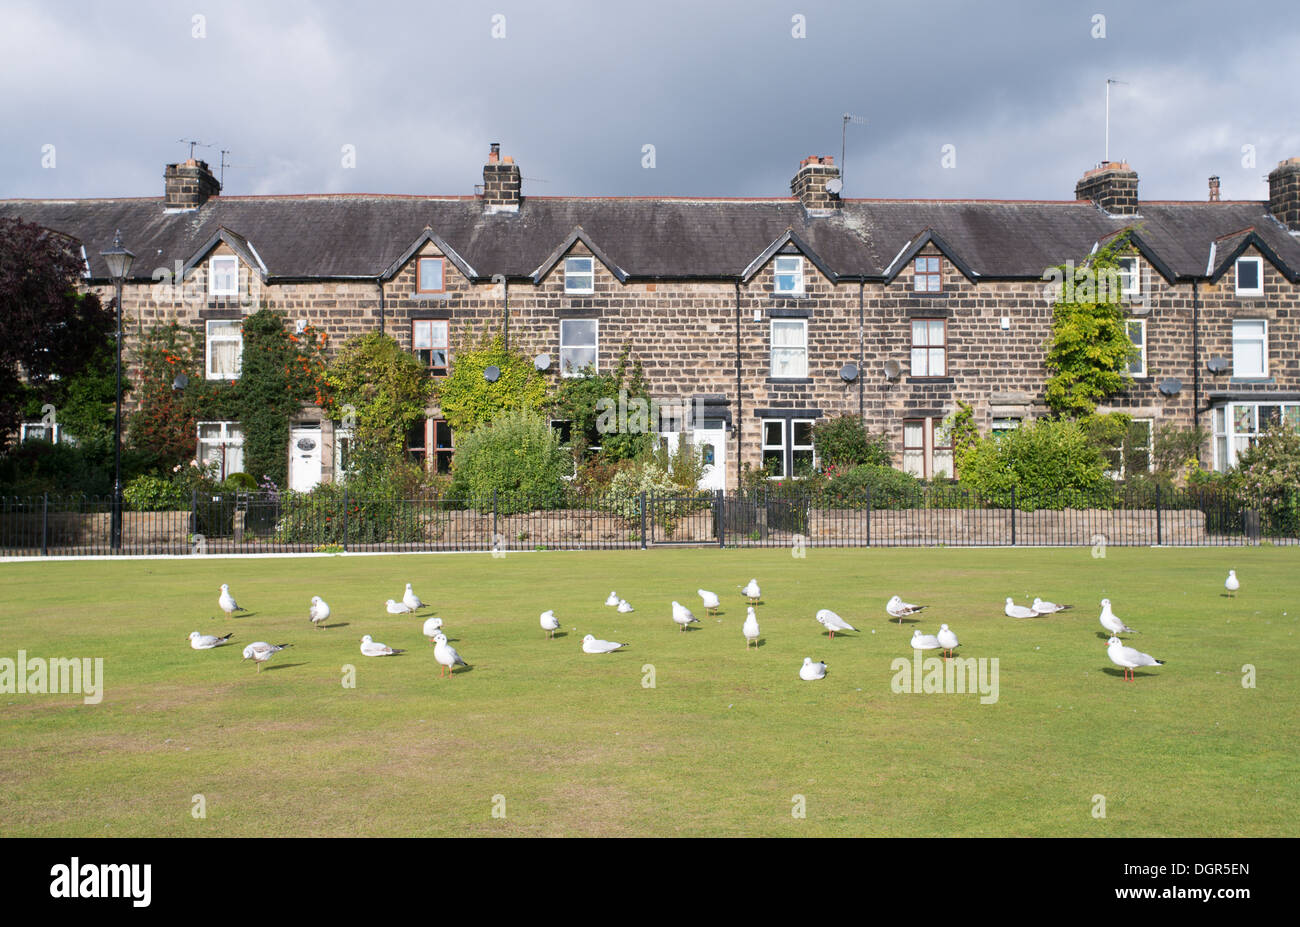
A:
[1214,188]
[1284,193]
[1113,186]
[188,185]
[502,185]
[809,184]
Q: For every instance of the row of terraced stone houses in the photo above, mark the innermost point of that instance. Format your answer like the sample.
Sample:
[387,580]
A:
[754,318]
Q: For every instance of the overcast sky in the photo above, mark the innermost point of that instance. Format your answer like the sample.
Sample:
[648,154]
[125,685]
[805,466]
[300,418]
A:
[726,93]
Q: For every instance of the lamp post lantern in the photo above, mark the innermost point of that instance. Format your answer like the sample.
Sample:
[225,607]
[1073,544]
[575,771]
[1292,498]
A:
[119,261]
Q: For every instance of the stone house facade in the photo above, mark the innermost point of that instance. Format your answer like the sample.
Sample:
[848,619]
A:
[760,316]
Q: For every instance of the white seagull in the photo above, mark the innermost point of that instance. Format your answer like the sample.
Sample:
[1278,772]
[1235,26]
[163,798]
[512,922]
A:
[320,611]
[899,609]
[624,607]
[612,599]
[590,644]
[550,624]
[1111,622]
[207,641]
[710,600]
[1232,584]
[397,608]
[260,651]
[1019,611]
[924,641]
[227,602]
[1128,658]
[1047,608]
[372,648]
[833,622]
[446,654]
[811,670]
[431,627]
[683,616]
[752,592]
[947,639]
[411,600]
[750,628]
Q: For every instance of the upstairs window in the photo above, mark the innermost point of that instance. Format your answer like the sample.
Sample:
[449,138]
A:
[1137,333]
[927,275]
[789,358]
[429,276]
[1130,280]
[579,346]
[429,342]
[788,276]
[929,348]
[223,275]
[224,349]
[1250,276]
[580,275]
[1249,348]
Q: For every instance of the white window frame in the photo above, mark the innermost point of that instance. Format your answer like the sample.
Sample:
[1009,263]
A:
[773,348]
[1259,276]
[573,277]
[764,446]
[794,268]
[39,431]
[1225,436]
[343,437]
[209,339]
[1004,424]
[810,446]
[567,370]
[1250,374]
[1121,473]
[213,289]
[225,441]
[1130,277]
[1141,346]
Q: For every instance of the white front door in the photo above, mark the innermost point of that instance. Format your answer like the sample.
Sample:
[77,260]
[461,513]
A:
[711,442]
[304,457]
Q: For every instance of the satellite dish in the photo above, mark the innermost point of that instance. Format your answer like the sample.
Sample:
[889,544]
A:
[1171,386]
[492,373]
[1217,364]
[849,373]
[892,370]
[180,382]
[834,185]
[542,362]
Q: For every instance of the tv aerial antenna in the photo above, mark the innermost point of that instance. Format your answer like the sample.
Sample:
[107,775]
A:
[837,185]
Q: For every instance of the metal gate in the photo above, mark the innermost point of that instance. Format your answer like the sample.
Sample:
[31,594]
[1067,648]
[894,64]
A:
[687,518]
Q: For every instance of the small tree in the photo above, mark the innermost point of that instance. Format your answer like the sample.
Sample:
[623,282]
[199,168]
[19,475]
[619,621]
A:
[582,400]
[517,455]
[843,442]
[468,399]
[1049,463]
[1089,348]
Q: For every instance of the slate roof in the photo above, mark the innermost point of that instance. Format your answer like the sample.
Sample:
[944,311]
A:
[361,235]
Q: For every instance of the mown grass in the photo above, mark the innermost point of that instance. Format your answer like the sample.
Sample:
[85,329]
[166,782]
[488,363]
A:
[722,743]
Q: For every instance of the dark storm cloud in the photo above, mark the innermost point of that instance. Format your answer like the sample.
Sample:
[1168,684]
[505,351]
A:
[730,99]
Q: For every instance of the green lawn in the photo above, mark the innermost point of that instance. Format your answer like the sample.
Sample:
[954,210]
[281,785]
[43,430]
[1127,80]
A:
[721,745]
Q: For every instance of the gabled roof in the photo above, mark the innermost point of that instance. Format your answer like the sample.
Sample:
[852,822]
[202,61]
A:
[428,237]
[577,235]
[1141,246]
[780,244]
[913,248]
[237,243]
[1225,250]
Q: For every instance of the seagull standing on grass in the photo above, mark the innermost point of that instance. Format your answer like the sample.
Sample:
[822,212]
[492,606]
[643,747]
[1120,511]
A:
[590,644]
[710,600]
[397,608]
[227,602]
[612,599]
[899,609]
[260,651]
[833,622]
[550,624]
[924,641]
[431,628]
[1019,611]
[320,611]
[1128,658]
[947,639]
[1047,608]
[752,592]
[750,629]
[683,616]
[372,648]
[624,607]
[411,600]
[207,641]
[446,655]
[811,670]
[1232,584]
[1110,622]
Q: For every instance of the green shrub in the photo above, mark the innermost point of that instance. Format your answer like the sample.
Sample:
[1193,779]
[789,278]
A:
[239,482]
[889,488]
[844,442]
[154,494]
[319,517]
[36,467]
[1050,464]
[517,456]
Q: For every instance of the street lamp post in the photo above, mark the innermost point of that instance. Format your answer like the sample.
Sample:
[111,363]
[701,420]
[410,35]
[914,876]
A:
[118,260]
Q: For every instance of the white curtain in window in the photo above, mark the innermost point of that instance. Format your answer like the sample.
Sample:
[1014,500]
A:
[789,349]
